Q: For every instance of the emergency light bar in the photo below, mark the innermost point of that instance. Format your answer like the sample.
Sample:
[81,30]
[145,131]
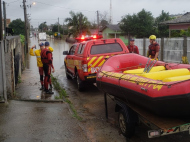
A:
[85,38]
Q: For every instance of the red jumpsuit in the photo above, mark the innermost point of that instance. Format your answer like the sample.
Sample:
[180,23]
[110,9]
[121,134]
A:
[153,48]
[46,57]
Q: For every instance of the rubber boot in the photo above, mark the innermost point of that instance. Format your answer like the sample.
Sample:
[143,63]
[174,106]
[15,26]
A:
[42,87]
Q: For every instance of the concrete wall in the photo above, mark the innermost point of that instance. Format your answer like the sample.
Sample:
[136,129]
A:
[3,92]
[172,48]
[13,53]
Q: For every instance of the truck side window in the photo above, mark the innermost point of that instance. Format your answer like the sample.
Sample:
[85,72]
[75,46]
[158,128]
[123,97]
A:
[81,49]
[72,50]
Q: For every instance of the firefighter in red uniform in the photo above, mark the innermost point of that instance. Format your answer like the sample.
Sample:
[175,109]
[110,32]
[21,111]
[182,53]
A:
[53,70]
[47,59]
[154,47]
[133,48]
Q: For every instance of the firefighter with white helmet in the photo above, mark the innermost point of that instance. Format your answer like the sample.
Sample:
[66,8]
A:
[154,47]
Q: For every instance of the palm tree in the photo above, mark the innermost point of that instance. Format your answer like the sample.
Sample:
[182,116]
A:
[78,24]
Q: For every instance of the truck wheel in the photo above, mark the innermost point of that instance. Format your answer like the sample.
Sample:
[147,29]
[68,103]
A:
[127,128]
[80,83]
[66,70]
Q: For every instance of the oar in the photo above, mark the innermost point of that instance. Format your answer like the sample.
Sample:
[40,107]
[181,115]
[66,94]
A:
[151,66]
[146,65]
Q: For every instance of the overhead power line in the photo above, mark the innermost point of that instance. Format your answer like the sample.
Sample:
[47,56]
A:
[65,7]
[13,1]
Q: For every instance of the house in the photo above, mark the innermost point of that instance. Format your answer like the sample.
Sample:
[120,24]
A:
[50,28]
[180,23]
[8,21]
[113,31]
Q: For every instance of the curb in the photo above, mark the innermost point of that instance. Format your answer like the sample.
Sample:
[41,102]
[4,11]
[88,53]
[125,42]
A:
[35,100]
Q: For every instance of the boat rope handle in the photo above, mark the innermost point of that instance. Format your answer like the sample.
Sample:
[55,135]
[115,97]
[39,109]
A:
[168,85]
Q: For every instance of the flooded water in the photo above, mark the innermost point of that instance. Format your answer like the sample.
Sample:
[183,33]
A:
[58,58]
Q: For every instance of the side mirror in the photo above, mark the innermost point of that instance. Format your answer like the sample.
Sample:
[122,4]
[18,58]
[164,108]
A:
[65,52]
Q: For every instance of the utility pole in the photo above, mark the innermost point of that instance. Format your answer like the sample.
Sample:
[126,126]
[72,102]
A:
[110,12]
[98,21]
[5,19]
[80,24]
[25,20]
[63,27]
[1,23]
[58,26]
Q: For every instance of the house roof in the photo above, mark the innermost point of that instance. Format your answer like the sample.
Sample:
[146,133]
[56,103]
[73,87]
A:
[183,19]
[112,27]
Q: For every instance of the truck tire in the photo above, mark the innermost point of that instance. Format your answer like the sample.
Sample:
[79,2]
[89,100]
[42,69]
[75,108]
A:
[80,83]
[127,128]
[68,76]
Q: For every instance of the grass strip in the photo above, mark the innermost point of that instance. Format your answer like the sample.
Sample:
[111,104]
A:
[63,95]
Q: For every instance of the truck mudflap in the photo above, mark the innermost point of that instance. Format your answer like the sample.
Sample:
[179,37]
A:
[177,129]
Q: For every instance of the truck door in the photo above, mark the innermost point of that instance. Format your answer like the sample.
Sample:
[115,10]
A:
[70,58]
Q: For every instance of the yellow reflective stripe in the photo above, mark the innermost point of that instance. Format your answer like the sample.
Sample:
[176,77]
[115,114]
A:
[101,63]
[91,60]
[97,61]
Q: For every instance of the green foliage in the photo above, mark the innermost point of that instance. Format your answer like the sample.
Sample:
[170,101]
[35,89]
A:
[63,95]
[22,38]
[175,33]
[17,26]
[55,28]
[138,25]
[49,33]
[43,27]
[185,32]
[78,24]
[162,30]
[19,79]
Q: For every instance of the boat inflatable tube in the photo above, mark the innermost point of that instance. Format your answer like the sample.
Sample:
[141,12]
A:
[162,92]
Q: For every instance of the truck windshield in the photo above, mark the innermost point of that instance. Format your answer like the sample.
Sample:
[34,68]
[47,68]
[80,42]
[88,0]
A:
[105,48]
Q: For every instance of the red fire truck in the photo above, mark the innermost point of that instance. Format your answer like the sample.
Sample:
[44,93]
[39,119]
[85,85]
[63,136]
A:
[85,58]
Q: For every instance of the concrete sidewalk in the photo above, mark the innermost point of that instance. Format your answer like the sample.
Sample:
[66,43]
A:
[36,121]
[29,88]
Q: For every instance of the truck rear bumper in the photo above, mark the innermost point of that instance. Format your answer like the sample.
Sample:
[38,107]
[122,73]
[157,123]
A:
[90,78]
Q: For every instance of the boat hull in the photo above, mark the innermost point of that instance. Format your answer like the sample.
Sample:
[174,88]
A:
[171,99]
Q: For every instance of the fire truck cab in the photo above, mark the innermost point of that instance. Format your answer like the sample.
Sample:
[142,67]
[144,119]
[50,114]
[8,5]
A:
[85,58]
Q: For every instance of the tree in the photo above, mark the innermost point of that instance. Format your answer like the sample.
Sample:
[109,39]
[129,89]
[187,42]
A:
[185,32]
[138,25]
[17,26]
[162,30]
[103,23]
[55,28]
[78,24]
[103,19]
[43,26]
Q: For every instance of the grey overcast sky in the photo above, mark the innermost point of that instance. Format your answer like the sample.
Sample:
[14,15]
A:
[50,10]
